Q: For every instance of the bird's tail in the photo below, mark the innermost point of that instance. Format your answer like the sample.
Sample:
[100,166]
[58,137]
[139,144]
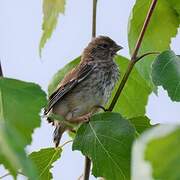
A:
[58,132]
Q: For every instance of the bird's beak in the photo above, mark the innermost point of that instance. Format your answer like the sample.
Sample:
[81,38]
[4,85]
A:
[118,47]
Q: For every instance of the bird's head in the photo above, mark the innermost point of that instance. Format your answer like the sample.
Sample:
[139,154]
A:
[102,48]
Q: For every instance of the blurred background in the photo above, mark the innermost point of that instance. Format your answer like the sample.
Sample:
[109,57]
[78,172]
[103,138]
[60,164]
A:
[20,32]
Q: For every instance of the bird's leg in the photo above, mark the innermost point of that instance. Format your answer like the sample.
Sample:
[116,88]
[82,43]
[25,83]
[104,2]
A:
[81,119]
[101,107]
[84,118]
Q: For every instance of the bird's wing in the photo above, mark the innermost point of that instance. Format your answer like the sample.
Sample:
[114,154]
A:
[82,73]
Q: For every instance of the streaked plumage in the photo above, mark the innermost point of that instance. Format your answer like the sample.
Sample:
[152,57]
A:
[87,86]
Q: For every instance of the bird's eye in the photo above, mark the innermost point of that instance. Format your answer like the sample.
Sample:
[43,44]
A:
[104,46]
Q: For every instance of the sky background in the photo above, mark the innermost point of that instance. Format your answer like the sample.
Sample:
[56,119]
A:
[20,32]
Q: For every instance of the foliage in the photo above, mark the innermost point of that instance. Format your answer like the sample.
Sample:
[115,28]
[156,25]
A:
[157,154]
[135,102]
[175,5]
[21,103]
[60,74]
[51,11]
[141,123]
[112,146]
[159,33]
[43,160]
[121,142]
[166,73]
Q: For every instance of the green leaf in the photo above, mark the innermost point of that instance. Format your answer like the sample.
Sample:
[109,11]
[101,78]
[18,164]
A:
[60,75]
[166,73]
[20,105]
[168,150]
[141,123]
[132,103]
[157,154]
[176,5]
[51,11]
[157,37]
[12,154]
[134,97]
[43,160]
[107,141]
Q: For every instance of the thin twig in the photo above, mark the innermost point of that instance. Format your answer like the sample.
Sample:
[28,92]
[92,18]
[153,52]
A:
[146,54]
[121,86]
[134,55]
[94,18]
[67,142]
[9,174]
[21,173]
[143,30]
[87,168]
[5,175]
[87,165]
[103,108]
[1,72]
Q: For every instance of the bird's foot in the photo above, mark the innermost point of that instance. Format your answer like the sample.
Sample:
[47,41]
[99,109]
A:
[102,107]
[82,119]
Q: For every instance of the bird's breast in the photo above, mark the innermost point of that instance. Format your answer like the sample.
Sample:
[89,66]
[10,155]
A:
[95,89]
[104,80]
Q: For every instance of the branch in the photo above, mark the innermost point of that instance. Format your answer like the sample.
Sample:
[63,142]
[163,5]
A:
[9,174]
[122,84]
[1,73]
[146,54]
[5,175]
[94,18]
[87,168]
[87,165]
[143,30]
[134,55]
[67,142]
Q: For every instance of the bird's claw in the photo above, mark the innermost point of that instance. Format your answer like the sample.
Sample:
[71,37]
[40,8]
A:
[103,108]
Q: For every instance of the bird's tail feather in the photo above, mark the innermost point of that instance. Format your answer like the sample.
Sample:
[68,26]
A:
[58,132]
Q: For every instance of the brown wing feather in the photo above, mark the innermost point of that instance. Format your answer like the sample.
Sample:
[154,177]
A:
[68,83]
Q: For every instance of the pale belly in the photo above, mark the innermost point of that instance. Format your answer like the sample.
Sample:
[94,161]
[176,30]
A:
[86,96]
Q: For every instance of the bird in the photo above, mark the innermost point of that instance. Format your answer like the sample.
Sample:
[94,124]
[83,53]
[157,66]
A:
[87,87]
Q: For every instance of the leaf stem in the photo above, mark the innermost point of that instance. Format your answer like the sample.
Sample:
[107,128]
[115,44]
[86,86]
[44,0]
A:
[146,54]
[9,174]
[134,55]
[67,142]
